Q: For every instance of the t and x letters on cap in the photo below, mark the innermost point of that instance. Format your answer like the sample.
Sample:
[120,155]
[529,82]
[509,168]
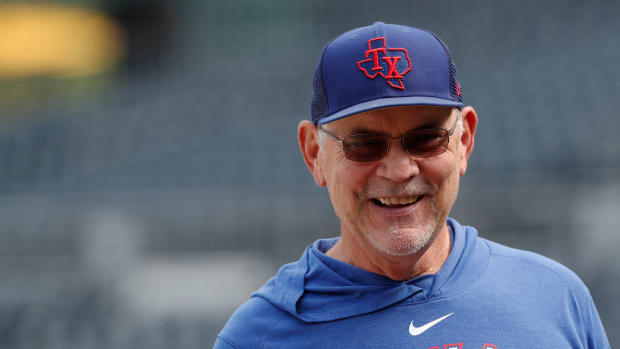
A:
[391,63]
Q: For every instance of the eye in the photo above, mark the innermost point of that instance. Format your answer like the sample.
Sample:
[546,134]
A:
[365,147]
[429,138]
[365,141]
[426,142]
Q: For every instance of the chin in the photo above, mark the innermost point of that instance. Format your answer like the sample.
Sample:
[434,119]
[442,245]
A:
[402,242]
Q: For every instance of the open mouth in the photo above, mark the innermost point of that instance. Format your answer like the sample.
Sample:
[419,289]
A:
[396,202]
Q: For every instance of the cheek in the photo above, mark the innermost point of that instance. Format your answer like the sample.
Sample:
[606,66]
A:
[443,172]
[346,182]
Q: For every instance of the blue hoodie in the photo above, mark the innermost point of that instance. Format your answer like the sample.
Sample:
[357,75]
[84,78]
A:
[485,296]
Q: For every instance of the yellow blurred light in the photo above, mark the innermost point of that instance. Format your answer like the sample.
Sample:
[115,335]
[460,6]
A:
[61,41]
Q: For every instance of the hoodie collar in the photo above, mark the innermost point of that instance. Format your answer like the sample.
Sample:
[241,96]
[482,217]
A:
[320,288]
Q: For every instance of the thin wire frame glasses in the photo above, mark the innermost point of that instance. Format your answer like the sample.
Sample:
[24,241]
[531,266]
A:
[421,143]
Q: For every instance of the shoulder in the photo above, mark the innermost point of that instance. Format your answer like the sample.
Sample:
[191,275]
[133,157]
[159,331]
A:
[526,262]
[536,272]
[249,325]
[502,265]
[548,287]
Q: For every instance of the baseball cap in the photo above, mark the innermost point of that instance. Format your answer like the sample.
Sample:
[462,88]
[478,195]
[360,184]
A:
[383,65]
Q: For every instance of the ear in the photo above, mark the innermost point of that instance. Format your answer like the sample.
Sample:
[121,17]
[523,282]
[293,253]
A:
[470,121]
[309,146]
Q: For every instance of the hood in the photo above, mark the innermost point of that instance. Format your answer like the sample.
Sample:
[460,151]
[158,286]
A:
[319,288]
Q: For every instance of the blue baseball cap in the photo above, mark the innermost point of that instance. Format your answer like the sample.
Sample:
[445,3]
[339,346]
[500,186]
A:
[383,65]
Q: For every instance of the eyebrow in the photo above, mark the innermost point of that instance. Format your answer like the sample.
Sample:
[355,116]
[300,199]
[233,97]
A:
[363,130]
[431,124]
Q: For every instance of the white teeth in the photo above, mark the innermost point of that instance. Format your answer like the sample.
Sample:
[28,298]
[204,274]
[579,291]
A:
[399,201]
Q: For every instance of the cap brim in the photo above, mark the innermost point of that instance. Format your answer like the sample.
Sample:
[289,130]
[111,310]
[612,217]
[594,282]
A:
[389,102]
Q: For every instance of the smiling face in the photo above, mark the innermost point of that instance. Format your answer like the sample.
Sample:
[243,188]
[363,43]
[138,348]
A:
[395,206]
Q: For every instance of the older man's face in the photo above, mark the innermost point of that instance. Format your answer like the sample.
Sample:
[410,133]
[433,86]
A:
[397,204]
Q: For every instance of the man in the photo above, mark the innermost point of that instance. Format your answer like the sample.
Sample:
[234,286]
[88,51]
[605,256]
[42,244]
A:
[390,138]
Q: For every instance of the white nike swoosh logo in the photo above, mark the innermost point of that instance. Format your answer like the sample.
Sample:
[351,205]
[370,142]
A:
[414,331]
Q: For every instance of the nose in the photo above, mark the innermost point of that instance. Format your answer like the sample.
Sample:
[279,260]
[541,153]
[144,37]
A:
[398,165]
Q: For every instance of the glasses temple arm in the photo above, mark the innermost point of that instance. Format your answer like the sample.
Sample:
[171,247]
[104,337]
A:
[329,134]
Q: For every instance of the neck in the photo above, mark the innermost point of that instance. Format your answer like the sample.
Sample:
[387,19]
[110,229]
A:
[426,261]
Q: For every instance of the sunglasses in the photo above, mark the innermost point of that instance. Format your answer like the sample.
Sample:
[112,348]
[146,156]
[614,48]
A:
[368,147]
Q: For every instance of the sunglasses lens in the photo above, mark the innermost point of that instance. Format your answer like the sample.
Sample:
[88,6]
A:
[420,143]
[426,143]
[365,148]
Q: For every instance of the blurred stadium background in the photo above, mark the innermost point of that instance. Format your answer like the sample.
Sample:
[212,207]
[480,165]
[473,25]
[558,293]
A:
[149,171]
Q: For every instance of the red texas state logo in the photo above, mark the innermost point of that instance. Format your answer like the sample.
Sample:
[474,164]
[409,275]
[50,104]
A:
[392,67]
